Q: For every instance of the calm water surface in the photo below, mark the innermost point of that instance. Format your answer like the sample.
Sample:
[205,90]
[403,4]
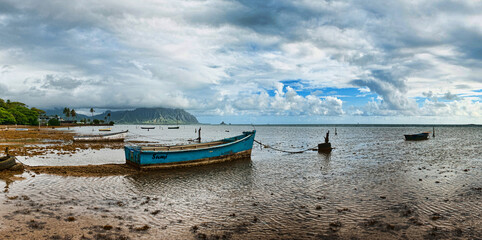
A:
[373,181]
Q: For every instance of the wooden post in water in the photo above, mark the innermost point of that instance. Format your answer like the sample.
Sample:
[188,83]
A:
[335,132]
[326,146]
[433,132]
[199,132]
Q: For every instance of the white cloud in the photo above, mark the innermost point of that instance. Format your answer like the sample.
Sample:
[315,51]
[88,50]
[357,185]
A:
[464,108]
[221,57]
[283,103]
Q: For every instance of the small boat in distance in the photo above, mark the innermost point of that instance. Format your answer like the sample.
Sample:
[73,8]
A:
[105,129]
[177,123]
[109,137]
[148,128]
[416,137]
[146,157]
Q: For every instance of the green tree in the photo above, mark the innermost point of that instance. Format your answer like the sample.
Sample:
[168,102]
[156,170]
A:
[92,112]
[31,115]
[20,118]
[96,121]
[73,114]
[66,112]
[21,113]
[6,117]
[54,122]
[39,111]
[15,104]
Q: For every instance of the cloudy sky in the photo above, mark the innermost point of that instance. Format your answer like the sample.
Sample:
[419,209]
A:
[308,61]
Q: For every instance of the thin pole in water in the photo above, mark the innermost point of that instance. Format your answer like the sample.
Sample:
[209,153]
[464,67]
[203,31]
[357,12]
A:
[433,132]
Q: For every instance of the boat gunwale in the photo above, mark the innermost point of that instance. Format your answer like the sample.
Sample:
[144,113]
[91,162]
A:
[6,157]
[100,135]
[194,149]
[418,134]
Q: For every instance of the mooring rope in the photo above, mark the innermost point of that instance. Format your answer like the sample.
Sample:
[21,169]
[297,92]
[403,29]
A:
[280,150]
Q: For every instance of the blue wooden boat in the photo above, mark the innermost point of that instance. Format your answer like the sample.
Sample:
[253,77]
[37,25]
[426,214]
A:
[145,157]
[416,137]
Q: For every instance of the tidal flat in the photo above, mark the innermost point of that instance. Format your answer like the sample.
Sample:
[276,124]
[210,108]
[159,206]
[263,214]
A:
[374,185]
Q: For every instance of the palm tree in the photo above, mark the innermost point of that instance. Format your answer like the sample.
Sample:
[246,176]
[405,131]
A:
[108,115]
[92,111]
[73,114]
[66,112]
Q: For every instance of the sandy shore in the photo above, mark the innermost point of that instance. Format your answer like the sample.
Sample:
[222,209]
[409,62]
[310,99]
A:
[39,141]
[29,220]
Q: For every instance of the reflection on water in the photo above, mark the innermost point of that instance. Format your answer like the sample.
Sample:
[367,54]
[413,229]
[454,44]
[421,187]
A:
[229,176]
[373,180]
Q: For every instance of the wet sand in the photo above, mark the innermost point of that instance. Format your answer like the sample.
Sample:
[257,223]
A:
[103,170]
[29,220]
[331,212]
[39,141]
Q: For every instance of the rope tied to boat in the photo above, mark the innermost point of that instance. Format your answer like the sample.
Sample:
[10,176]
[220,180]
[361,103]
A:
[281,150]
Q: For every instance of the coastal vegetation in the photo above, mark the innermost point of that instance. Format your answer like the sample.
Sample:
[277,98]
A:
[18,113]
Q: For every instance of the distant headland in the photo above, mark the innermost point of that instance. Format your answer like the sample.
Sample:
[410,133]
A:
[137,116]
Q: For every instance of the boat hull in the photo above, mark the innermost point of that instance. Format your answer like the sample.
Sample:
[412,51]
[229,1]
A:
[238,147]
[7,162]
[416,137]
[111,137]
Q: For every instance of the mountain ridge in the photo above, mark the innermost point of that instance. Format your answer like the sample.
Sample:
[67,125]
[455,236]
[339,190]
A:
[138,116]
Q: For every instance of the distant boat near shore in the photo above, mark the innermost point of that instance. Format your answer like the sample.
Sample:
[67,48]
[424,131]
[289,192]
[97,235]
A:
[238,147]
[417,137]
[105,129]
[109,137]
[177,124]
[148,128]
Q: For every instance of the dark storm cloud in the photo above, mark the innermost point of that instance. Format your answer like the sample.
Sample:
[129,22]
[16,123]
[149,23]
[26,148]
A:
[61,83]
[49,34]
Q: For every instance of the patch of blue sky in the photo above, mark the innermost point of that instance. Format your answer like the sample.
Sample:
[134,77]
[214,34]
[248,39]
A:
[351,96]
[420,100]
[297,84]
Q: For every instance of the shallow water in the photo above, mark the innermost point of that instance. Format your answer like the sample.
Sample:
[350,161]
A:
[373,182]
